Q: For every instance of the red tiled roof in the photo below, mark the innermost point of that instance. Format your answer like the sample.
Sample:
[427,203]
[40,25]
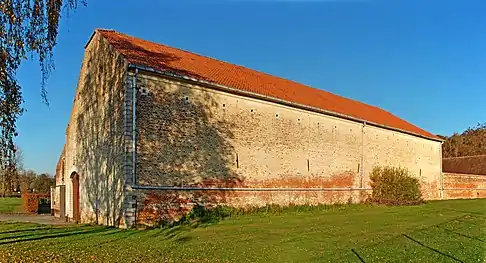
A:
[164,58]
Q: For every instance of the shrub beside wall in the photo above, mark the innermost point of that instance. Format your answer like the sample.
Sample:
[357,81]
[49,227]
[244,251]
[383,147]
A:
[394,186]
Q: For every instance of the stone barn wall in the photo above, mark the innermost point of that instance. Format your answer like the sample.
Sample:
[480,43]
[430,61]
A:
[94,147]
[60,180]
[189,135]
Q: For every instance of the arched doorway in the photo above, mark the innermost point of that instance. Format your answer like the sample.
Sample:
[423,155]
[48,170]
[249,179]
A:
[75,200]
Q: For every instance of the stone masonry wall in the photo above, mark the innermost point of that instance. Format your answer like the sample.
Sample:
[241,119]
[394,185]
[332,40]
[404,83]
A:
[60,180]
[95,136]
[60,167]
[190,135]
[464,186]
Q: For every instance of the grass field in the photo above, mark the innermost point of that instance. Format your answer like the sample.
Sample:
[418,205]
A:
[440,231]
[10,205]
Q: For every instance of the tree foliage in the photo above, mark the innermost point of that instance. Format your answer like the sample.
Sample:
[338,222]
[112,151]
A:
[469,143]
[27,27]
[42,183]
[26,181]
[10,176]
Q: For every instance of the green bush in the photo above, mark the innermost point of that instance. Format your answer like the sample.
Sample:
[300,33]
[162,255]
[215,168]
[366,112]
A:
[394,186]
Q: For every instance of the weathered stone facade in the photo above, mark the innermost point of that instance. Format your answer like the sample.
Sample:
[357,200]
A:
[235,149]
[95,147]
[189,135]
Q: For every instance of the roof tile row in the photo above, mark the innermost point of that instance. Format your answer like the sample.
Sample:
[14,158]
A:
[164,58]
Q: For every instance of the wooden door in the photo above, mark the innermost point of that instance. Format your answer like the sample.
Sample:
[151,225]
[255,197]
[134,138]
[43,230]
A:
[75,181]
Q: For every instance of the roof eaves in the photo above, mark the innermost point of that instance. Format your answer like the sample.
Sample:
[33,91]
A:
[280,101]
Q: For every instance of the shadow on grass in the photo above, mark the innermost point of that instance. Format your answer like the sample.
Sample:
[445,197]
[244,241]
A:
[451,229]
[433,249]
[64,233]
[357,255]
[24,230]
[121,237]
[178,233]
[460,234]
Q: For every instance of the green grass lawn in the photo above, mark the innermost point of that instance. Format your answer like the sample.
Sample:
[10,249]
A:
[10,205]
[440,231]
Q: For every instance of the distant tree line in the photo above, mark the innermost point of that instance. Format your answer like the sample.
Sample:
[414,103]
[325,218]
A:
[15,180]
[469,143]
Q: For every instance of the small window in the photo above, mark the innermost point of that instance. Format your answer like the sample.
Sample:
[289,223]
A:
[224,105]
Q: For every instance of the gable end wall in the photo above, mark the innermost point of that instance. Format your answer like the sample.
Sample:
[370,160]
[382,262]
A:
[95,147]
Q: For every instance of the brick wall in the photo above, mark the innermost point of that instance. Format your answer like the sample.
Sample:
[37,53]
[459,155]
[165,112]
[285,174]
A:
[464,186]
[190,135]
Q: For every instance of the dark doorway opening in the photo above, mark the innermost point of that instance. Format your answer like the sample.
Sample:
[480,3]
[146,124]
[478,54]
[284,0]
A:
[76,212]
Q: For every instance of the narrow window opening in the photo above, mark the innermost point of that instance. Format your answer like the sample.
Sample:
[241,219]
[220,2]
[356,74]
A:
[276,115]
[237,162]
[251,110]
[358,167]
[308,165]
[224,105]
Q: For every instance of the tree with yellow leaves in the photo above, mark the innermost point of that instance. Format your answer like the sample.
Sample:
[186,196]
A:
[28,28]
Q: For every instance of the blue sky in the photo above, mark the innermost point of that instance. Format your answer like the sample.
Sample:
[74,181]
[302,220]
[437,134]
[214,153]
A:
[422,60]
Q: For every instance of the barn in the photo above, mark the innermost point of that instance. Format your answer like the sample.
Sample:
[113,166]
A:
[153,123]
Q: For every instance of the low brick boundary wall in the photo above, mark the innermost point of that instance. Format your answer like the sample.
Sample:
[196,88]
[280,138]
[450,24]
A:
[464,186]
